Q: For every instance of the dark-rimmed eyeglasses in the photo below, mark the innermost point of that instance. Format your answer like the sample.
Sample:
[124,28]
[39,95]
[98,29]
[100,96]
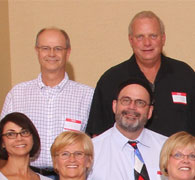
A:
[47,49]
[66,155]
[125,101]
[13,135]
[180,156]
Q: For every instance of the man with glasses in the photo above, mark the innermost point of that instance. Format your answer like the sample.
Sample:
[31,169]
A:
[128,150]
[172,81]
[52,101]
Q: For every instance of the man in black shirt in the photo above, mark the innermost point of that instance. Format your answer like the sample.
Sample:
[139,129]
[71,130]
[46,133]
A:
[172,81]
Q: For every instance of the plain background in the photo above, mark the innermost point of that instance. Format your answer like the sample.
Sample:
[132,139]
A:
[98,31]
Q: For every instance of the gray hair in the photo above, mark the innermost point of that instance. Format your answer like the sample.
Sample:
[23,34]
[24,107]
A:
[146,14]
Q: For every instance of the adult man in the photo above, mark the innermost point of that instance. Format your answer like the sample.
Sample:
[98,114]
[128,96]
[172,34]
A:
[172,81]
[52,101]
[114,156]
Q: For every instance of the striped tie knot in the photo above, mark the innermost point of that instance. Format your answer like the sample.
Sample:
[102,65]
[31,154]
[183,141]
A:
[133,144]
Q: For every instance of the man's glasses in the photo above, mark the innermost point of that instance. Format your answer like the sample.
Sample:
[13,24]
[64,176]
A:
[180,156]
[47,49]
[13,135]
[66,155]
[125,101]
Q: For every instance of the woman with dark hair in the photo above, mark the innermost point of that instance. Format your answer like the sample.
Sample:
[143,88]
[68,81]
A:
[19,141]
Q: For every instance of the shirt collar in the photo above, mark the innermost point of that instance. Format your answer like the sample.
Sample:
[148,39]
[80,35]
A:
[122,140]
[59,86]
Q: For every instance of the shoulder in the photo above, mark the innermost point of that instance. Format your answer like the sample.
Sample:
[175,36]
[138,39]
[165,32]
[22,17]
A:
[154,136]
[104,137]
[178,65]
[25,84]
[79,86]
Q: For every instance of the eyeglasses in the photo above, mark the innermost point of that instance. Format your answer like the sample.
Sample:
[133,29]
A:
[13,135]
[180,156]
[47,49]
[66,155]
[125,101]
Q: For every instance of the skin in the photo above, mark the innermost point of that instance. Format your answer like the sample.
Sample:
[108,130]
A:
[130,120]
[21,146]
[72,169]
[52,63]
[183,169]
[17,165]
[147,41]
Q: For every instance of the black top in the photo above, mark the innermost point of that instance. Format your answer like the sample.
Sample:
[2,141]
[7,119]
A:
[168,116]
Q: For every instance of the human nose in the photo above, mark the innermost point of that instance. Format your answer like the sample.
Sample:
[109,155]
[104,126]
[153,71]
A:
[51,52]
[132,105]
[147,41]
[72,157]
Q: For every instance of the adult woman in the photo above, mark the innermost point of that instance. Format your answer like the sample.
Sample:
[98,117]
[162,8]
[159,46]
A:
[17,144]
[177,158]
[72,155]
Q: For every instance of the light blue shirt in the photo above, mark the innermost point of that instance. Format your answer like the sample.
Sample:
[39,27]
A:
[114,157]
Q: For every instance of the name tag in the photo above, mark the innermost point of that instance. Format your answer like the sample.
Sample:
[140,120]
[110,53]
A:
[179,97]
[72,125]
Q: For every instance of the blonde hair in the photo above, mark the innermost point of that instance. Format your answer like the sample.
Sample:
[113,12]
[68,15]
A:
[146,14]
[71,137]
[180,139]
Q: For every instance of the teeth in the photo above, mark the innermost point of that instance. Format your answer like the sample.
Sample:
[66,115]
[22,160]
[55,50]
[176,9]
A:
[22,145]
[184,168]
[72,166]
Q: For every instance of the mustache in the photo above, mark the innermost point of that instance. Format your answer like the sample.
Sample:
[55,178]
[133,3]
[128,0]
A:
[130,112]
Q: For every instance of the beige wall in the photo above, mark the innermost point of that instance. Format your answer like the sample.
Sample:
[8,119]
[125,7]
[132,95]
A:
[5,71]
[98,32]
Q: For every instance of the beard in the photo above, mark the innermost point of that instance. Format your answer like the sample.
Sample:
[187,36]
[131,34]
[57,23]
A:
[130,120]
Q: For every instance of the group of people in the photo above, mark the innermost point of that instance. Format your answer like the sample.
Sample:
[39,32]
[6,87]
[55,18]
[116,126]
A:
[133,109]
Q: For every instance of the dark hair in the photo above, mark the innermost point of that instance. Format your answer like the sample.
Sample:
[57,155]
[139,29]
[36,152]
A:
[23,121]
[139,81]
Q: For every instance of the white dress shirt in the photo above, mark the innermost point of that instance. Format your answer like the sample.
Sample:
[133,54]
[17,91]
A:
[114,157]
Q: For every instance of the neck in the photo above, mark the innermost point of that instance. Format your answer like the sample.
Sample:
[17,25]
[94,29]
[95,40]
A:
[130,135]
[16,165]
[52,79]
[150,69]
[72,178]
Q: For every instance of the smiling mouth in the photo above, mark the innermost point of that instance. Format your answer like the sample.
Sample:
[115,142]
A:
[72,166]
[185,168]
[20,146]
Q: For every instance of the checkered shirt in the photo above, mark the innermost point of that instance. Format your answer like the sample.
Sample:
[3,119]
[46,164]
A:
[48,108]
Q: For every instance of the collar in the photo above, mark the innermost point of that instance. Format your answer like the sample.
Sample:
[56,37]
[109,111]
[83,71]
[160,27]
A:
[58,86]
[122,140]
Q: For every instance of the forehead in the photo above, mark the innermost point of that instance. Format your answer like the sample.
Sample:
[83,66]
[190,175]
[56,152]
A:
[11,126]
[135,91]
[52,36]
[141,25]
[73,147]
[185,149]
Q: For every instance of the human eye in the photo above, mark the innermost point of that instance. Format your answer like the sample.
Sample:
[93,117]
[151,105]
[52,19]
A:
[140,103]
[25,132]
[11,134]
[65,154]
[125,100]
[178,155]
[192,157]
[45,48]
[79,154]
[58,48]
[153,36]
[139,37]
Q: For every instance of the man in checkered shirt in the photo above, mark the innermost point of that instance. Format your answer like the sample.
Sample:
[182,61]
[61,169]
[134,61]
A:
[52,101]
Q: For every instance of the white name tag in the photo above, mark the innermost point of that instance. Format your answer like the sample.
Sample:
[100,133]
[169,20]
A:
[72,125]
[179,97]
